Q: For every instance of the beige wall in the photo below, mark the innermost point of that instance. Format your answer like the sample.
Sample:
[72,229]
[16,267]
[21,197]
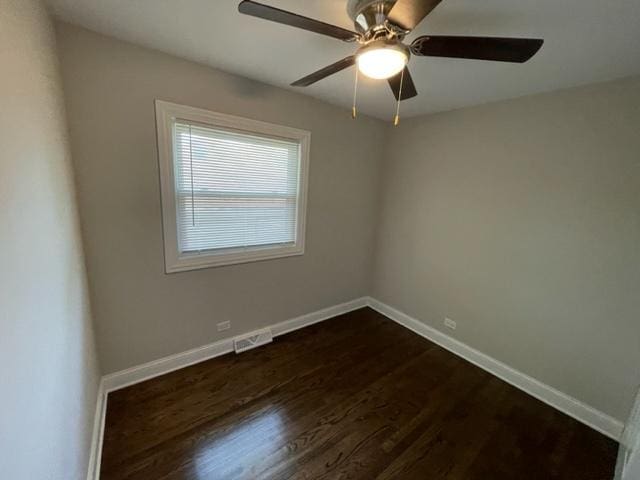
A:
[141,313]
[48,369]
[521,221]
[518,219]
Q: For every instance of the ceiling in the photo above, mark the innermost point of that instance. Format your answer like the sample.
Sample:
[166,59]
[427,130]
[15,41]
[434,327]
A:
[586,41]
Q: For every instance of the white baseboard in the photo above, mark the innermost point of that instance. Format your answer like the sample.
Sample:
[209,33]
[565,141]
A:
[582,412]
[95,454]
[155,368]
[140,373]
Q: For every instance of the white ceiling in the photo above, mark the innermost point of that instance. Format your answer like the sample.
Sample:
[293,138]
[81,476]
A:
[586,41]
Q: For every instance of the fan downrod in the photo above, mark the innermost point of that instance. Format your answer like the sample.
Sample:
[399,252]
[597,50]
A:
[370,18]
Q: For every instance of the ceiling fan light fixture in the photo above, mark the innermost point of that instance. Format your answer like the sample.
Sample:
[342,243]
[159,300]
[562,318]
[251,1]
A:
[382,59]
[381,26]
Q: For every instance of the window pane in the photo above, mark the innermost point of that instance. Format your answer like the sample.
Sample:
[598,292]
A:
[234,189]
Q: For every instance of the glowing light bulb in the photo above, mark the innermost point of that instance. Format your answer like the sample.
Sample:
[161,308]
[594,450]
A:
[382,62]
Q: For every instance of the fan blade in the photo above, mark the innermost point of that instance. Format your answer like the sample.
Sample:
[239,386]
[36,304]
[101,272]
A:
[409,13]
[517,50]
[408,87]
[325,72]
[287,18]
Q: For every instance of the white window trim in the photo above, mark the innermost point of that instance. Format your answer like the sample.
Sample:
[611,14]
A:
[166,114]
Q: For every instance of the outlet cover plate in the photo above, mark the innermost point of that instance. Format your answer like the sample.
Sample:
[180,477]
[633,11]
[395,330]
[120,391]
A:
[450,324]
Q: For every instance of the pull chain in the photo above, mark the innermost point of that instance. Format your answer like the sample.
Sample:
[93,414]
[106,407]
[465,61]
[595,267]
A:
[396,120]
[354,112]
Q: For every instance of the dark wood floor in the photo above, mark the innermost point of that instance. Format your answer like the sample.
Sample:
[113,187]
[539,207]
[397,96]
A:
[356,397]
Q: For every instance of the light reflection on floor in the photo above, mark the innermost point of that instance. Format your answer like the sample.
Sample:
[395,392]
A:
[251,440]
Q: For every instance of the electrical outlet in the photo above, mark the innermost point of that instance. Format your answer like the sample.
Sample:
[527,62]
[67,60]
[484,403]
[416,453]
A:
[450,324]
[222,326]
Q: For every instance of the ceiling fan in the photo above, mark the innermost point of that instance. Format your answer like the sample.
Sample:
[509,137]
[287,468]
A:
[381,26]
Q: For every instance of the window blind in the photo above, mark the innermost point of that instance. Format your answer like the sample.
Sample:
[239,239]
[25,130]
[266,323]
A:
[234,190]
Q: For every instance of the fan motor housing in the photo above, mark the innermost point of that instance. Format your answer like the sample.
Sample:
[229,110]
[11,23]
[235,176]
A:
[369,16]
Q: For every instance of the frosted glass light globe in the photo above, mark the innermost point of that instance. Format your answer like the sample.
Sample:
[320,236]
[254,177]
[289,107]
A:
[381,63]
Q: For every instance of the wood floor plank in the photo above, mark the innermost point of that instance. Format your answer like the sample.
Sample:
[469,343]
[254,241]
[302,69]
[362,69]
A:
[355,397]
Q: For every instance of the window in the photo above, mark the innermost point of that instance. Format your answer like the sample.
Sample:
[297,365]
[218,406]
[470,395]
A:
[233,189]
